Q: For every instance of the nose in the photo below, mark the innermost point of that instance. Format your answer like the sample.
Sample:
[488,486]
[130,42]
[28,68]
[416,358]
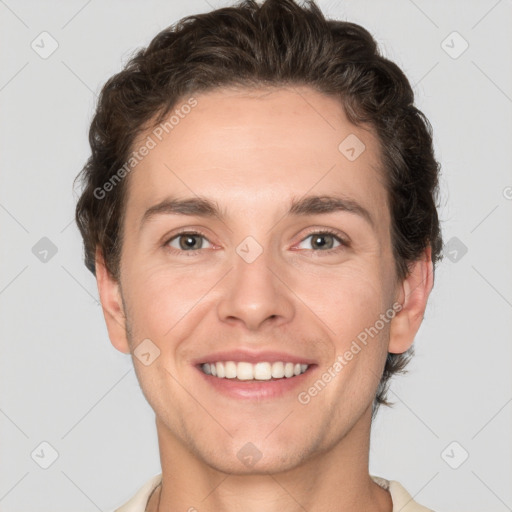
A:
[254,295]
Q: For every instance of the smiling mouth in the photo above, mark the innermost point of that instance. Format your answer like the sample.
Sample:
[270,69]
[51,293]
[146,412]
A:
[248,372]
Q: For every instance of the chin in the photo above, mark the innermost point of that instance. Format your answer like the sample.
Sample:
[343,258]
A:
[248,458]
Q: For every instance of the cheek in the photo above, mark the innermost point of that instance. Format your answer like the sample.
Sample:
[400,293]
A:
[160,298]
[347,299]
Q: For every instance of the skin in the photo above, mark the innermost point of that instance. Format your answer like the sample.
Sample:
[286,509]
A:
[252,151]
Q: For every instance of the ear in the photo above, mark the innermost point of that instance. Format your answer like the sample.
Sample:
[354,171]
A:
[413,296]
[112,305]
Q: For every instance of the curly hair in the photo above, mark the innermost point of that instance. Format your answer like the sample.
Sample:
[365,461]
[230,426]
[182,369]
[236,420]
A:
[278,43]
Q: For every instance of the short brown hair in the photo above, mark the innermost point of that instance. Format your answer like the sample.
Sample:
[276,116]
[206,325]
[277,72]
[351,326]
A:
[277,43]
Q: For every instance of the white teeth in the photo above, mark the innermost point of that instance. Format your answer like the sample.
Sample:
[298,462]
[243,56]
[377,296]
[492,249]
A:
[244,371]
[220,370]
[262,371]
[230,369]
[248,371]
[278,370]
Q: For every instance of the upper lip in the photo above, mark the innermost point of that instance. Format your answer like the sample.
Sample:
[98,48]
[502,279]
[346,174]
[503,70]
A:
[253,357]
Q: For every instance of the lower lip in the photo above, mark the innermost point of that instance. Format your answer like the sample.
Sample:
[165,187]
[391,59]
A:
[257,389]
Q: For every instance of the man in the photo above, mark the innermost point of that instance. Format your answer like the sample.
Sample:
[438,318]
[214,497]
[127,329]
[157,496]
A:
[259,210]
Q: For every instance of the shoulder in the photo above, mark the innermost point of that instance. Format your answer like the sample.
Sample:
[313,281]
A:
[402,500]
[139,501]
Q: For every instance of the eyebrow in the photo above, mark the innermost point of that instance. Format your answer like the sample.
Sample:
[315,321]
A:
[309,205]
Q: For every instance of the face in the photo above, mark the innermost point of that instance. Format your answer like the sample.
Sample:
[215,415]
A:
[253,238]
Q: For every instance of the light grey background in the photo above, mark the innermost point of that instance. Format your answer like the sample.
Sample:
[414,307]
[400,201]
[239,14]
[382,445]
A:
[64,384]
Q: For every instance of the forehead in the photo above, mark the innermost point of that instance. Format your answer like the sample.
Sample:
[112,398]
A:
[255,148]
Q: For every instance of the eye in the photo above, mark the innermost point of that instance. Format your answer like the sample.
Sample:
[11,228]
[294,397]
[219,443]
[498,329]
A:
[191,241]
[325,240]
[187,241]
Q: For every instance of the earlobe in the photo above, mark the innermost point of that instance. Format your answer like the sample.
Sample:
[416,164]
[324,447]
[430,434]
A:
[112,305]
[414,293]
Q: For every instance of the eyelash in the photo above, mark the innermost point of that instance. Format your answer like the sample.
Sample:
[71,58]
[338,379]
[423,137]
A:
[343,242]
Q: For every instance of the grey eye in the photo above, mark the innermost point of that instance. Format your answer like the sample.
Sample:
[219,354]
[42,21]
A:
[323,241]
[188,242]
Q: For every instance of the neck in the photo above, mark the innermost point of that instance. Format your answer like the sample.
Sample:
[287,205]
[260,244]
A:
[334,479]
